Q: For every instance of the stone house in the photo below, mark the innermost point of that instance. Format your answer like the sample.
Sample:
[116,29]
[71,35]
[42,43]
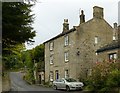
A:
[111,51]
[73,52]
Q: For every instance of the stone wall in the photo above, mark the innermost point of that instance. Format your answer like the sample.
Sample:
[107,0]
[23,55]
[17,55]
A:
[82,48]
[58,55]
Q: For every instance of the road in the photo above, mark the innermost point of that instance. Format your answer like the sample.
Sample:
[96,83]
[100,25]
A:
[18,84]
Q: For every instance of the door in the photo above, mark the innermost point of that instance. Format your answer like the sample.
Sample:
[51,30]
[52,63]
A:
[39,79]
[56,74]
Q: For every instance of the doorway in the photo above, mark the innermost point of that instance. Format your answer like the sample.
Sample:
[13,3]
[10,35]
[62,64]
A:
[56,74]
[39,79]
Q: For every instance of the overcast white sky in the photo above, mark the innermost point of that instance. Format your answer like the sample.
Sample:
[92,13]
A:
[49,15]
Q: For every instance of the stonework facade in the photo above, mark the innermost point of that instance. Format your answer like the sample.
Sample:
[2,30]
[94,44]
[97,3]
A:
[73,52]
[111,51]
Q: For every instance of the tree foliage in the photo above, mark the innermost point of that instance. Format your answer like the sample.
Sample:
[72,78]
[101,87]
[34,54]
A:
[35,55]
[27,59]
[13,60]
[39,53]
[16,25]
[32,57]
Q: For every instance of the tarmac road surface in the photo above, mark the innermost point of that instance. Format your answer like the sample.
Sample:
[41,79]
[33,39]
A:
[18,84]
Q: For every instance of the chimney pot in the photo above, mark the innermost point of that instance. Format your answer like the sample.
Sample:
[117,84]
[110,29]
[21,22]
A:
[65,25]
[82,17]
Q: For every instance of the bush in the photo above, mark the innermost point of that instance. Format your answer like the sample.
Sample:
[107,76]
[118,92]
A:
[89,88]
[113,79]
[29,77]
[105,76]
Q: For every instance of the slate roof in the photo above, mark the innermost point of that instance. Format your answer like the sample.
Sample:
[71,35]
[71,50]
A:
[61,34]
[113,45]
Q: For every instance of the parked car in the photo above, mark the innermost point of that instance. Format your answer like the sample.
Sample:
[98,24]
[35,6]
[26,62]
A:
[67,84]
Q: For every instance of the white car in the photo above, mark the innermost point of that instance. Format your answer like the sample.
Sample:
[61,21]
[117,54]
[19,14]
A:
[68,84]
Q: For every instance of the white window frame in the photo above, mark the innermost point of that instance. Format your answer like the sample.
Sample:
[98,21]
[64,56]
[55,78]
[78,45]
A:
[113,56]
[66,73]
[96,39]
[114,37]
[66,40]
[66,56]
[51,59]
[51,75]
[51,45]
[96,53]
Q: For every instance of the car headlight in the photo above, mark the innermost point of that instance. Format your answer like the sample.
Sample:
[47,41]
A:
[81,84]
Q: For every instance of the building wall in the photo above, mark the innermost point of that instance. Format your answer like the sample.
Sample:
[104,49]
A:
[58,57]
[104,56]
[81,49]
[85,41]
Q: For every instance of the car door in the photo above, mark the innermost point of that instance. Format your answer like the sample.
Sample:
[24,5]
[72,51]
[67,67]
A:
[62,84]
[58,84]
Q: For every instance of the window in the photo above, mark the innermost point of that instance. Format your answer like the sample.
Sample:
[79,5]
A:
[114,38]
[51,59]
[66,56]
[112,56]
[51,75]
[115,56]
[66,74]
[96,39]
[66,40]
[51,46]
[70,80]
[96,53]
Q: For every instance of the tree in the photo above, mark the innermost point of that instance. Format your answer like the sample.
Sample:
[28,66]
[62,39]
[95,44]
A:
[29,58]
[14,60]
[16,30]
[16,22]
[39,57]
[39,53]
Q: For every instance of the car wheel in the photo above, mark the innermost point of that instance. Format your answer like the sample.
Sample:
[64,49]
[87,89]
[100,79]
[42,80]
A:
[55,87]
[67,88]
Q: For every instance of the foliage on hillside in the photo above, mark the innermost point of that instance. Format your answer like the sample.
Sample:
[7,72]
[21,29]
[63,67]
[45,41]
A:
[13,60]
[30,57]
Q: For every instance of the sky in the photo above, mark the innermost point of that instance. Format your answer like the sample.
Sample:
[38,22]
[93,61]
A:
[50,15]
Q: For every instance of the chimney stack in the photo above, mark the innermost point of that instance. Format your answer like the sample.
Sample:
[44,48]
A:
[115,25]
[65,25]
[82,17]
[115,32]
[98,12]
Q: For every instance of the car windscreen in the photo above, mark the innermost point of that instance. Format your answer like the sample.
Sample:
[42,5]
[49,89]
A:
[70,80]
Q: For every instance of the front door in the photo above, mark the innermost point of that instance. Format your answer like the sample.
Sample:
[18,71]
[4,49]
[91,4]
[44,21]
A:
[56,74]
[39,79]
